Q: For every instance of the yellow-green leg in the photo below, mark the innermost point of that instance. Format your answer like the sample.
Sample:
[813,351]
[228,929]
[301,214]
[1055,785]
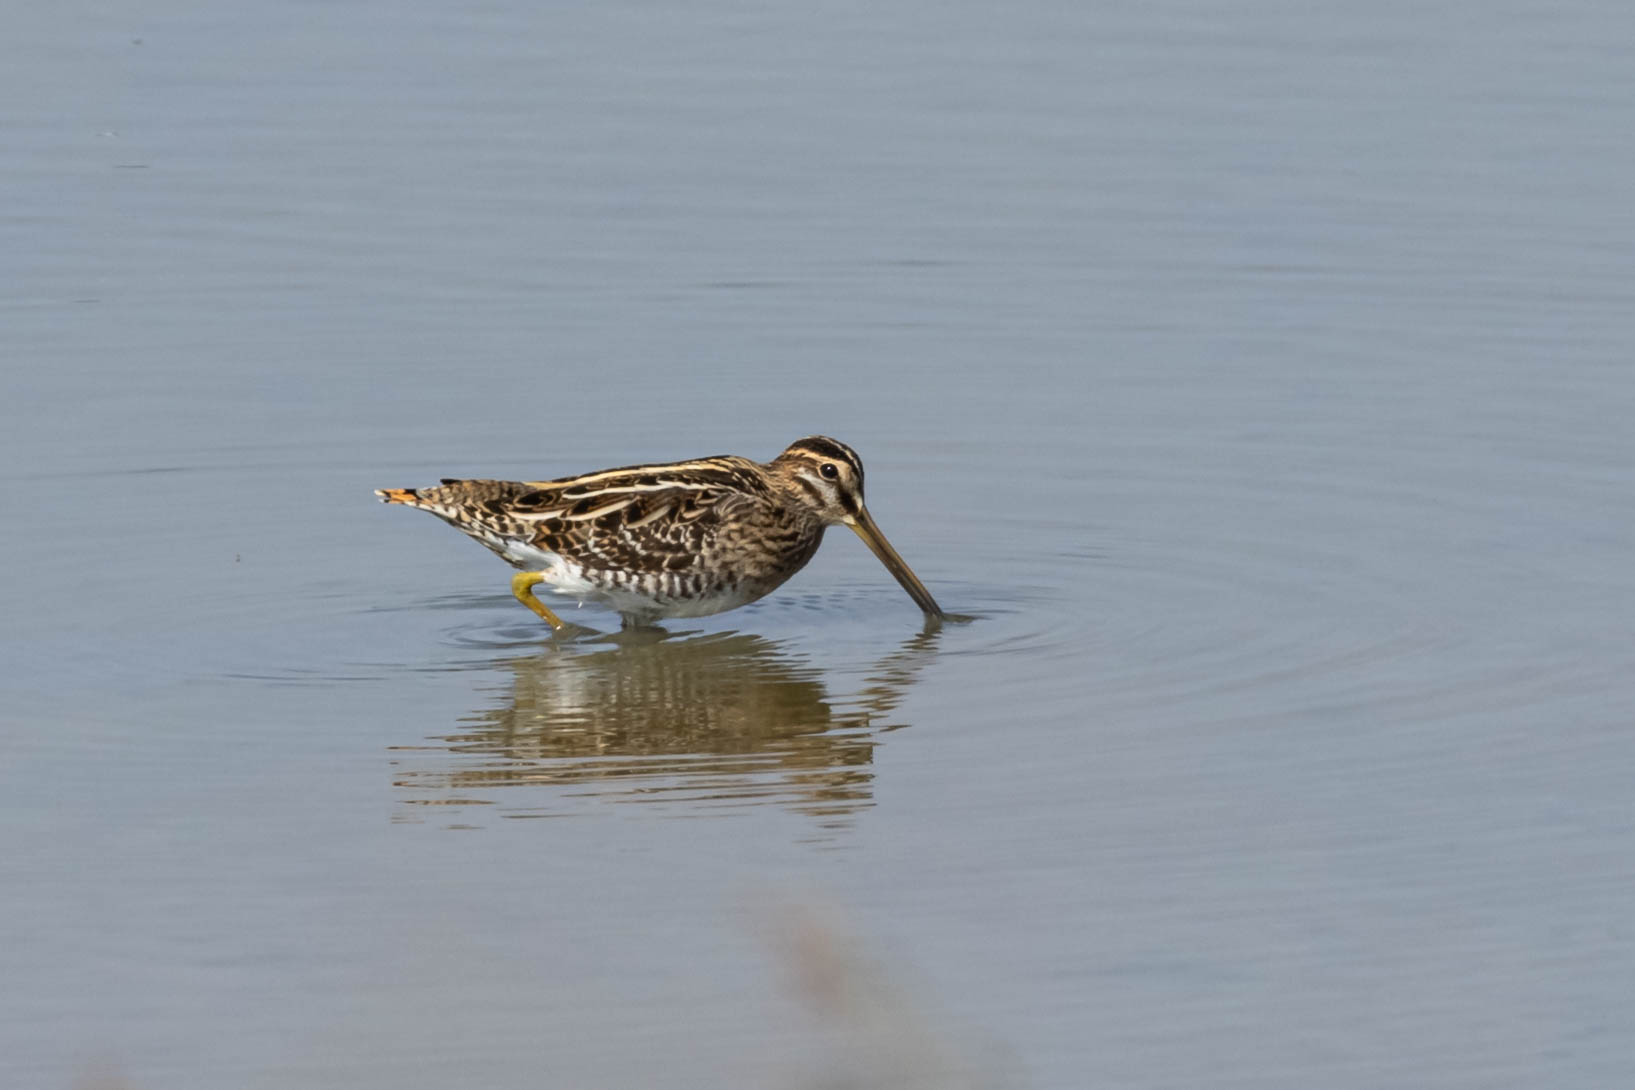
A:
[522,585]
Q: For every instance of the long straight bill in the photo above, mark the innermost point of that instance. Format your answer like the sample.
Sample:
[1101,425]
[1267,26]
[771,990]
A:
[863,523]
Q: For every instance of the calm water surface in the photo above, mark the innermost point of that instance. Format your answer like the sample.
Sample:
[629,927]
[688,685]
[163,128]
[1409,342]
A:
[1259,379]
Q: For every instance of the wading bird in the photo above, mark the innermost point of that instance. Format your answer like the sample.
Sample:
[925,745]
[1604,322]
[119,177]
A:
[684,539]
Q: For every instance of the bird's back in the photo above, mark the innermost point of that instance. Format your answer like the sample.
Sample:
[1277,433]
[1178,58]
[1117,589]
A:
[682,539]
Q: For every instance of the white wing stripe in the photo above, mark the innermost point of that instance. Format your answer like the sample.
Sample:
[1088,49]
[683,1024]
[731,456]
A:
[663,509]
[597,512]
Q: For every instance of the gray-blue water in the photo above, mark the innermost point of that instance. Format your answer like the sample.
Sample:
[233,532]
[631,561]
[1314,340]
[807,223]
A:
[1259,375]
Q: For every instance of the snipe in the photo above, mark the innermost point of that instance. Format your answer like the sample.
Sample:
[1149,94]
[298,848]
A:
[685,539]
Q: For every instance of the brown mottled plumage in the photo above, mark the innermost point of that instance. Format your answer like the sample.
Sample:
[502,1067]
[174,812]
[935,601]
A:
[684,539]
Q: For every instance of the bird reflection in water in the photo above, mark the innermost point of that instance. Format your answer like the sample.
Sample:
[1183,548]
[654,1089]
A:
[722,720]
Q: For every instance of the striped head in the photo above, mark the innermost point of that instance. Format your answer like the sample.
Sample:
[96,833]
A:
[826,477]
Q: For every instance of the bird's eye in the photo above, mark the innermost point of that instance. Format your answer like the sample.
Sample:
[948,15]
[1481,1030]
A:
[829,470]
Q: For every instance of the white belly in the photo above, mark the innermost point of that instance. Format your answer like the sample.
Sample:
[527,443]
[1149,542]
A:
[567,578]
[562,576]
